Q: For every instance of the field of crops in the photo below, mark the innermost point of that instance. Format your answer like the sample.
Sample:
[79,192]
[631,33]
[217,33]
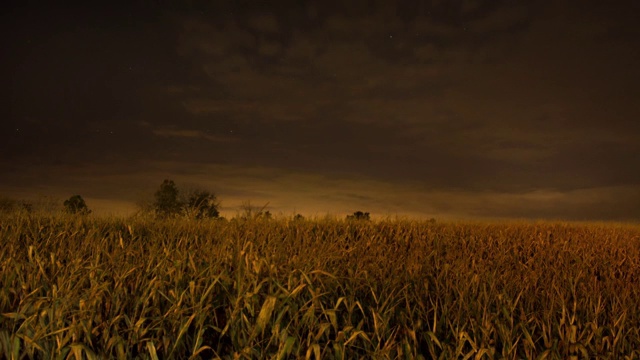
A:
[88,287]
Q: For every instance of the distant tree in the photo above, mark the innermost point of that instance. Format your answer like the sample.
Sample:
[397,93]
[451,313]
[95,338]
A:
[166,202]
[201,204]
[359,215]
[298,217]
[76,205]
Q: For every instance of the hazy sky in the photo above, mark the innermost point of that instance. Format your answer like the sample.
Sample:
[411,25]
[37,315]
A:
[423,108]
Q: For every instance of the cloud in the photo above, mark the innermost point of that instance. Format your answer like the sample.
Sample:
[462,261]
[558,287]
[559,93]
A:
[342,60]
[502,20]
[264,23]
[193,134]
[476,96]
[464,108]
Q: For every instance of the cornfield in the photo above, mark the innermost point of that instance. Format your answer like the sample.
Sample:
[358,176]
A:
[123,288]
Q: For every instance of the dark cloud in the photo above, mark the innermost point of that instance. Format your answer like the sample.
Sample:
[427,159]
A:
[475,108]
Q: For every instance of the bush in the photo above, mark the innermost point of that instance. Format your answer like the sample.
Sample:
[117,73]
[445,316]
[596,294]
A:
[359,215]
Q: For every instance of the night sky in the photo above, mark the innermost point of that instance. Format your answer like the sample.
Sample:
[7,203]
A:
[445,109]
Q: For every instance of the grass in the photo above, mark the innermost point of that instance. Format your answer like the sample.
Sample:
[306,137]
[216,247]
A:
[88,287]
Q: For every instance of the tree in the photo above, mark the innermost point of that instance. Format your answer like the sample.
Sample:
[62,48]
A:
[359,215]
[197,204]
[76,205]
[166,202]
[202,204]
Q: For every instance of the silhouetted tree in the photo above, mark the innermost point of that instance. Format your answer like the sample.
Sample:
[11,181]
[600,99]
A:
[201,204]
[166,200]
[298,217]
[76,205]
[359,215]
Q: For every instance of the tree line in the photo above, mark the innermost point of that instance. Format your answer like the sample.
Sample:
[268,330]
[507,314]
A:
[169,201]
